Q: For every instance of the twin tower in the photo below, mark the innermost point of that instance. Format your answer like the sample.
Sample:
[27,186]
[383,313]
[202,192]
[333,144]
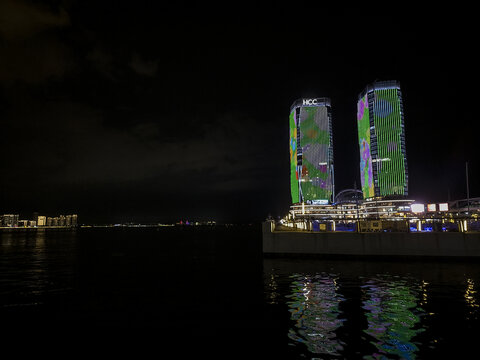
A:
[381,139]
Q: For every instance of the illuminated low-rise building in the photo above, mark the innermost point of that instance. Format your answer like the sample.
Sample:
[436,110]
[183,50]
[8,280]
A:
[383,215]
[390,209]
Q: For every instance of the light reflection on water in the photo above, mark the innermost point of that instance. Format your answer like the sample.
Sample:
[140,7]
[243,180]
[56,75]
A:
[470,299]
[375,310]
[314,307]
[33,266]
[390,304]
[393,315]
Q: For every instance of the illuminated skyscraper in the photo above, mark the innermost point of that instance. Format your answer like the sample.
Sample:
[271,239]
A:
[311,151]
[381,135]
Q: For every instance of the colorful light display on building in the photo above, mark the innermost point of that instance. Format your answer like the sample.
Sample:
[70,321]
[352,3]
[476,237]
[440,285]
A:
[311,151]
[293,159]
[366,168]
[381,135]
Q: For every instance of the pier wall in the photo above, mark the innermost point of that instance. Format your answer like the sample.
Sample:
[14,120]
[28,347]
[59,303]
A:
[437,244]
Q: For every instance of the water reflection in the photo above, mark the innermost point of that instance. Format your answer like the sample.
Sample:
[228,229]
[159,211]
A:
[24,259]
[33,266]
[314,306]
[470,299]
[393,316]
[273,289]
[424,290]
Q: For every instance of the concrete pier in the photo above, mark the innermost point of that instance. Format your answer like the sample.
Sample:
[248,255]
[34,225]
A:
[435,244]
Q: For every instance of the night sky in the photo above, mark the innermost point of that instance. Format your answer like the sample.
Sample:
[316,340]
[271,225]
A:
[129,111]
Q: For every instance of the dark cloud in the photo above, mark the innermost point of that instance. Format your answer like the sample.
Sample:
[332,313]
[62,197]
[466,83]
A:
[20,20]
[34,60]
[31,50]
[143,67]
[102,61]
[64,147]
[73,144]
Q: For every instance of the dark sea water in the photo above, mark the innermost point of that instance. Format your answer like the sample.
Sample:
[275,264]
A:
[192,292]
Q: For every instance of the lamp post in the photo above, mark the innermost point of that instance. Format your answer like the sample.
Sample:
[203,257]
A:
[468,191]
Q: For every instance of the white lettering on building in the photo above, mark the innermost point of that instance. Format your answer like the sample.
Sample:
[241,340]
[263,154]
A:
[309,101]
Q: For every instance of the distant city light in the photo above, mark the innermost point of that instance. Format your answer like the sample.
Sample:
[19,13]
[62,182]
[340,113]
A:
[431,207]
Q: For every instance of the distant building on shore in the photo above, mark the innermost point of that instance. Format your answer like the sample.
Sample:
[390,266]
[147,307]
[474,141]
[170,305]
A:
[9,220]
[12,220]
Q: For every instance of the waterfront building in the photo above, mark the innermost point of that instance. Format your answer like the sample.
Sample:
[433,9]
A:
[12,220]
[41,220]
[381,136]
[311,151]
[352,210]
[9,220]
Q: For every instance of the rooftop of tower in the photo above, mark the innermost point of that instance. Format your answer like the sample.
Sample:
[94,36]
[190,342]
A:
[380,85]
[323,101]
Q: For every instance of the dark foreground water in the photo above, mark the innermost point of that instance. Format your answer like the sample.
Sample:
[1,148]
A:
[185,293]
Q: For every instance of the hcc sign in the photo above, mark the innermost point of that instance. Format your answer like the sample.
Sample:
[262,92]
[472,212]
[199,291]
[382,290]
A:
[309,101]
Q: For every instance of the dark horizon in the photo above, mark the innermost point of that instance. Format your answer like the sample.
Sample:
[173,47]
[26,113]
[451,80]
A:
[160,113]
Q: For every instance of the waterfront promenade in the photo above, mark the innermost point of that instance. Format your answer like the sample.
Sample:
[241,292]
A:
[7,229]
[429,244]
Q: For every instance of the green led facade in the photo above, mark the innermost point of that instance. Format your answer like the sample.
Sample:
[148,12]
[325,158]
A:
[389,128]
[311,151]
[315,143]
[384,108]
[366,167]
[293,159]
